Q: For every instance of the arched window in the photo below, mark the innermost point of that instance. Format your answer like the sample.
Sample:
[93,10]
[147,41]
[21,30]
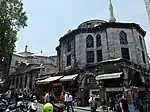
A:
[98,40]
[89,42]
[123,38]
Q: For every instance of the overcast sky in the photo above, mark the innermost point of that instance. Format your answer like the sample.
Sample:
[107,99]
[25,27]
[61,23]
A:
[51,19]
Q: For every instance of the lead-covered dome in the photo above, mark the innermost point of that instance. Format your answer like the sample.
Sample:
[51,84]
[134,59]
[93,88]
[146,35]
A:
[91,23]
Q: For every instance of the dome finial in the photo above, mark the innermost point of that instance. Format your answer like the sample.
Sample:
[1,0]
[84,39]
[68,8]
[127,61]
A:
[112,18]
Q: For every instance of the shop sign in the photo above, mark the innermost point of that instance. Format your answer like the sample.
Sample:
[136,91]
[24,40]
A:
[141,89]
[114,89]
[57,84]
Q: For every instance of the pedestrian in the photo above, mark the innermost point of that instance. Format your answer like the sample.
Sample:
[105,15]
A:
[8,96]
[70,102]
[90,98]
[62,97]
[93,104]
[111,103]
[66,100]
[124,104]
[46,97]
[16,97]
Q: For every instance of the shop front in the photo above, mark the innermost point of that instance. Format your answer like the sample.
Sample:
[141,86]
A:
[50,84]
[59,84]
[70,84]
[111,85]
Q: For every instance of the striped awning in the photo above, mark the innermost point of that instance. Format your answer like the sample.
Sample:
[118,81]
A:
[69,77]
[109,76]
[48,80]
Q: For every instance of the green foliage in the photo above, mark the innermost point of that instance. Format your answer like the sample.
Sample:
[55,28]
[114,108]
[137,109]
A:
[12,19]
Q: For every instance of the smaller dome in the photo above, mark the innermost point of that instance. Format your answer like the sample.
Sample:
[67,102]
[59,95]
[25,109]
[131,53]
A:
[91,23]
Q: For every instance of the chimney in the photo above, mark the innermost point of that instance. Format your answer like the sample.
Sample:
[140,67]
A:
[26,48]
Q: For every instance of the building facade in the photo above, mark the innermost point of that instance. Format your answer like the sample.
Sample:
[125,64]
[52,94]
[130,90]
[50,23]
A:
[15,61]
[85,50]
[104,42]
[27,68]
[18,58]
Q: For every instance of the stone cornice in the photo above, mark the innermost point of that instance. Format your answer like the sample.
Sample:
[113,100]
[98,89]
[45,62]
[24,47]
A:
[104,26]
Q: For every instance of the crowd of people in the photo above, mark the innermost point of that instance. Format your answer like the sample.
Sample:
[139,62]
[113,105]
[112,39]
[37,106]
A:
[122,104]
[15,96]
[65,98]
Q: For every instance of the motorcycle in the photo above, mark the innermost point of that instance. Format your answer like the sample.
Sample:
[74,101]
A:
[32,108]
[3,105]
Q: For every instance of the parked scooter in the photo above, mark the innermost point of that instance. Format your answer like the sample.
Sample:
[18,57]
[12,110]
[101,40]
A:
[32,108]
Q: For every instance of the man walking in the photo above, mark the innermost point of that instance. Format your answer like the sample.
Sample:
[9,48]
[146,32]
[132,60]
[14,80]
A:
[70,102]
[46,98]
[66,100]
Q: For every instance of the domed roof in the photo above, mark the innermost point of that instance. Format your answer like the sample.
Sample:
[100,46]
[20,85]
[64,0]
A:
[91,23]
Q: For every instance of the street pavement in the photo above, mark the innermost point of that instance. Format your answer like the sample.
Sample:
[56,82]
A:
[40,108]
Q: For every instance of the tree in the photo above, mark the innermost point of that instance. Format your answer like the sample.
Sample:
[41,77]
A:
[12,19]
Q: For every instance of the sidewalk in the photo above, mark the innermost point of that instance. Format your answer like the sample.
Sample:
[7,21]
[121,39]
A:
[88,109]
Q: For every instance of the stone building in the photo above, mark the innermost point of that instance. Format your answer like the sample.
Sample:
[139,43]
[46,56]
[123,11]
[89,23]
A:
[107,54]
[27,68]
[96,42]
[18,58]
[15,61]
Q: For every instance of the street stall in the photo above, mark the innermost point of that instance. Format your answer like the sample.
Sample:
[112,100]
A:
[50,84]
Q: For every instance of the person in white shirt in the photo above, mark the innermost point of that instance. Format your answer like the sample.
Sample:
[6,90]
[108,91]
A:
[66,100]
[46,98]
[70,102]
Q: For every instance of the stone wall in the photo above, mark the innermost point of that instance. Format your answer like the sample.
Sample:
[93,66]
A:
[111,47]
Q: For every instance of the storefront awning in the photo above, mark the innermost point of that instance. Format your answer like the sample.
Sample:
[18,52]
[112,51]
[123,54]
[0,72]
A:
[109,76]
[48,80]
[69,78]
[1,82]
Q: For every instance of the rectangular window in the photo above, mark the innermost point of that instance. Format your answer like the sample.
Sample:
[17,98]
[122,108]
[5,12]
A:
[17,80]
[143,55]
[68,60]
[141,42]
[99,56]
[20,86]
[26,79]
[90,56]
[16,63]
[125,53]
[13,80]
[69,46]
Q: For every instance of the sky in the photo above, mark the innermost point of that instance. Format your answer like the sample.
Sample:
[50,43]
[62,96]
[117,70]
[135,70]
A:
[48,20]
